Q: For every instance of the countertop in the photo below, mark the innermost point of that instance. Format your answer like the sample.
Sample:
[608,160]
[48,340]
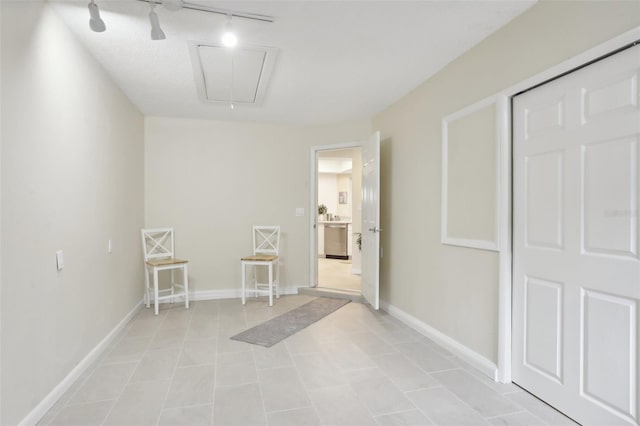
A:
[336,222]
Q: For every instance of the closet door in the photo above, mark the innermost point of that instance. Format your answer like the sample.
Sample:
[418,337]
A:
[576,277]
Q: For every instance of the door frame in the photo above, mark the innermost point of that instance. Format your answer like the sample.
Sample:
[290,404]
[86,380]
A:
[313,195]
[505,142]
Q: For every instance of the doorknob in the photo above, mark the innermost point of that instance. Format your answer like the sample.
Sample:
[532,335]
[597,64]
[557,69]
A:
[374,229]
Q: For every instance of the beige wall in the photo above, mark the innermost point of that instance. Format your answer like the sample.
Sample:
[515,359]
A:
[72,178]
[187,168]
[455,289]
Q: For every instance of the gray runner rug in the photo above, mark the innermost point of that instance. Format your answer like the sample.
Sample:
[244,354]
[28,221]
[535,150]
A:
[279,328]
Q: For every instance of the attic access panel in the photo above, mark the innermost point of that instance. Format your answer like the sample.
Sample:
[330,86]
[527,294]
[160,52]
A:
[214,66]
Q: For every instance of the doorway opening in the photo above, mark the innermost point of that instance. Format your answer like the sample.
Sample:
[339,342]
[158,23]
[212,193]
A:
[338,204]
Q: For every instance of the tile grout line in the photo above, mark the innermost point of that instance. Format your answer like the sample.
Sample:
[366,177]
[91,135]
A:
[129,380]
[304,387]
[465,402]
[144,352]
[508,414]
[399,412]
[175,369]
[215,367]
[122,390]
[388,377]
[264,410]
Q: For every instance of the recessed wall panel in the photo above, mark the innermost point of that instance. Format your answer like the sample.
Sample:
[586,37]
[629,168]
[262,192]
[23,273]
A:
[544,223]
[543,327]
[471,176]
[611,97]
[610,197]
[544,118]
[609,351]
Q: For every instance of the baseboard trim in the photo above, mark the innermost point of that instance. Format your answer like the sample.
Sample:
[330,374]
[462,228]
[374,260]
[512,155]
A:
[229,293]
[465,353]
[233,293]
[52,397]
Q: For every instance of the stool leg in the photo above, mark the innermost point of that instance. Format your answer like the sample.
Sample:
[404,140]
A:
[270,284]
[243,283]
[255,280]
[147,287]
[277,279]
[185,278]
[155,290]
[173,280]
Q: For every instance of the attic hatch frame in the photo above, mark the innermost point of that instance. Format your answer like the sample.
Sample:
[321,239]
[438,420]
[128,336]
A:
[268,64]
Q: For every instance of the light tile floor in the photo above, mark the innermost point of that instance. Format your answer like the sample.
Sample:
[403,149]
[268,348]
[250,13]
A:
[354,367]
[336,273]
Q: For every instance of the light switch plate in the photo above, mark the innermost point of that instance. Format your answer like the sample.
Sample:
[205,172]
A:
[59,260]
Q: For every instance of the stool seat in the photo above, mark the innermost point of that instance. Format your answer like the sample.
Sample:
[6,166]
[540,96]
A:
[260,258]
[164,262]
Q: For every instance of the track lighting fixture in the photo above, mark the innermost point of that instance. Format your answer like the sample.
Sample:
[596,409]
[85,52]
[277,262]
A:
[156,31]
[229,39]
[95,21]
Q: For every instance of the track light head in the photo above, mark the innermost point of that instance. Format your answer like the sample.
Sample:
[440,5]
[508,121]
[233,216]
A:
[229,38]
[95,21]
[156,31]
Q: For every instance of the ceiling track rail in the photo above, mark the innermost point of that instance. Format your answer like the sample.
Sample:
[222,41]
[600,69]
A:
[235,14]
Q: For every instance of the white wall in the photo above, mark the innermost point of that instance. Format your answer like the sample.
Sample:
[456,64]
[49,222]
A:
[343,184]
[329,185]
[72,177]
[328,191]
[455,289]
[188,168]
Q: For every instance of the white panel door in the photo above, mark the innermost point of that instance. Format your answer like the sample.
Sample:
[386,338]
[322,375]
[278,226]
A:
[371,220]
[576,270]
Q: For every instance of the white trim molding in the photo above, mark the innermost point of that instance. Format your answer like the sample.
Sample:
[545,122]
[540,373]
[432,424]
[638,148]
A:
[52,397]
[234,293]
[227,293]
[503,111]
[494,243]
[313,214]
[472,357]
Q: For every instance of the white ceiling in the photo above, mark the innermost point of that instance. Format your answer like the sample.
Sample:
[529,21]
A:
[337,60]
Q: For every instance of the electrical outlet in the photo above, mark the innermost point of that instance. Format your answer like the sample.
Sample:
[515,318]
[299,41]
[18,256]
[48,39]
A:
[59,260]
[299,211]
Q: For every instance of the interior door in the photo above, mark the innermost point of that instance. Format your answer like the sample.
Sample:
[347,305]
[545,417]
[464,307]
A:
[576,269]
[371,220]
